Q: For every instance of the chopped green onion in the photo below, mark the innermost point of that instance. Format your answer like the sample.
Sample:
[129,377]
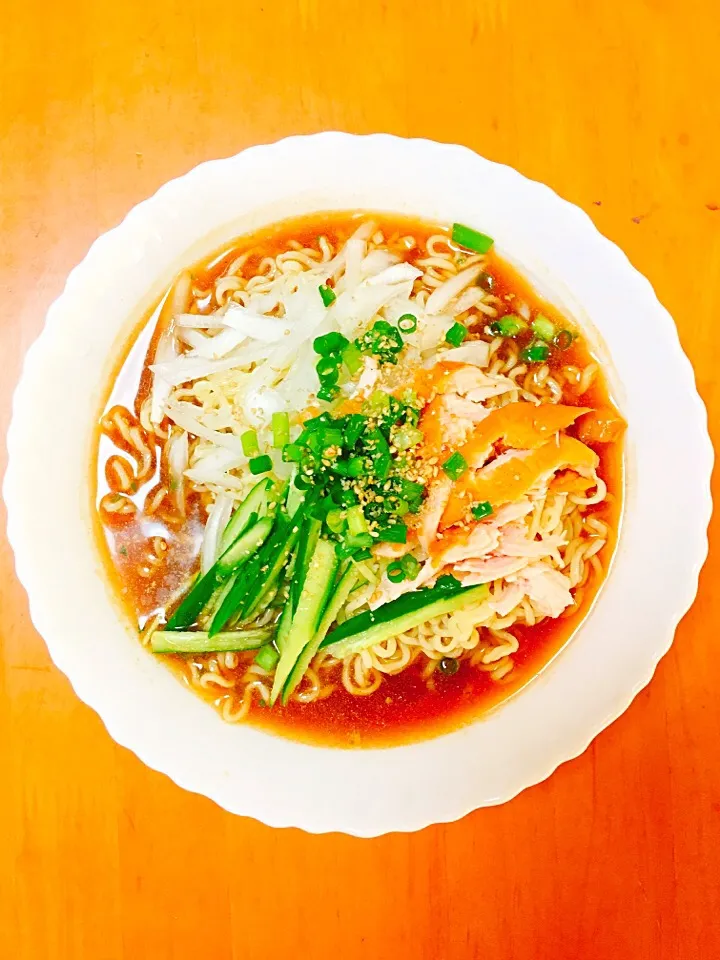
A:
[267,657]
[327,371]
[330,343]
[356,520]
[355,540]
[486,281]
[335,520]
[327,294]
[280,429]
[508,326]
[407,436]
[331,437]
[563,340]
[471,239]
[249,441]
[353,427]
[456,334]
[536,352]
[411,566]
[362,555]
[352,357]
[447,582]
[480,510]
[260,464]
[455,466]
[395,572]
[356,467]
[292,452]
[402,508]
[412,490]
[397,533]
[543,328]
[328,392]
[407,323]
[377,402]
[314,423]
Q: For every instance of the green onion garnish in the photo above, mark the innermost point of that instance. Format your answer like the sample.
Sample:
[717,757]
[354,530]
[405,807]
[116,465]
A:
[395,572]
[330,343]
[508,326]
[260,464]
[407,323]
[536,352]
[355,423]
[456,334]
[335,520]
[249,441]
[563,340]
[397,533]
[411,566]
[471,239]
[267,657]
[356,521]
[455,466]
[352,358]
[292,452]
[328,392]
[406,436]
[481,510]
[543,328]
[280,429]
[327,371]
[356,467]
[355,540]
[327,293]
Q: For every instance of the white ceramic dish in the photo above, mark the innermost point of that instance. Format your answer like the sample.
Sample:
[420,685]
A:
[651,585]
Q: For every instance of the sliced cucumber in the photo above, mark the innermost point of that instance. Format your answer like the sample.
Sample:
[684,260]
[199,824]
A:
[309,537]
[197,641]
[283,626]
[203,588]
[244,547]
[408,611]
[260,575]
[270,573]
[344,588]
[295,497]
[311,606]
[258,502]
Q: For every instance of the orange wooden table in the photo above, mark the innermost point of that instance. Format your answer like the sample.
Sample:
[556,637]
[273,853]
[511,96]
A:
[615,105]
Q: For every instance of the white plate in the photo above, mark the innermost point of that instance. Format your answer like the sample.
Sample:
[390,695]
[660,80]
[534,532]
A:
[652,582]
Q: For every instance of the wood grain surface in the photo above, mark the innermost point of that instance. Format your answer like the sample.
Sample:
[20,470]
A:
[615,106]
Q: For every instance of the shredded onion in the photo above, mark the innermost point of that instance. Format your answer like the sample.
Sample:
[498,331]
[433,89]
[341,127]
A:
[217,520]
[442,295]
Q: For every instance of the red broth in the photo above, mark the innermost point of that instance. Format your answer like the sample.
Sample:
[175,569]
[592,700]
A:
[405,708]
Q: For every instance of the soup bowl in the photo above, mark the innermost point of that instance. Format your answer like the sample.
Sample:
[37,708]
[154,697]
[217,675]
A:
[364,792]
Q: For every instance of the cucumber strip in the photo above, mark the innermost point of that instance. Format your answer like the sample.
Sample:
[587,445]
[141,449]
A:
[308,541]
[219,594]
[376,626]
[244,546]
[295,497]
[252,583]
[271,572]
[257,501]
[283,626]
[344,588]
[199,594]
[197,641]
[311,605]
